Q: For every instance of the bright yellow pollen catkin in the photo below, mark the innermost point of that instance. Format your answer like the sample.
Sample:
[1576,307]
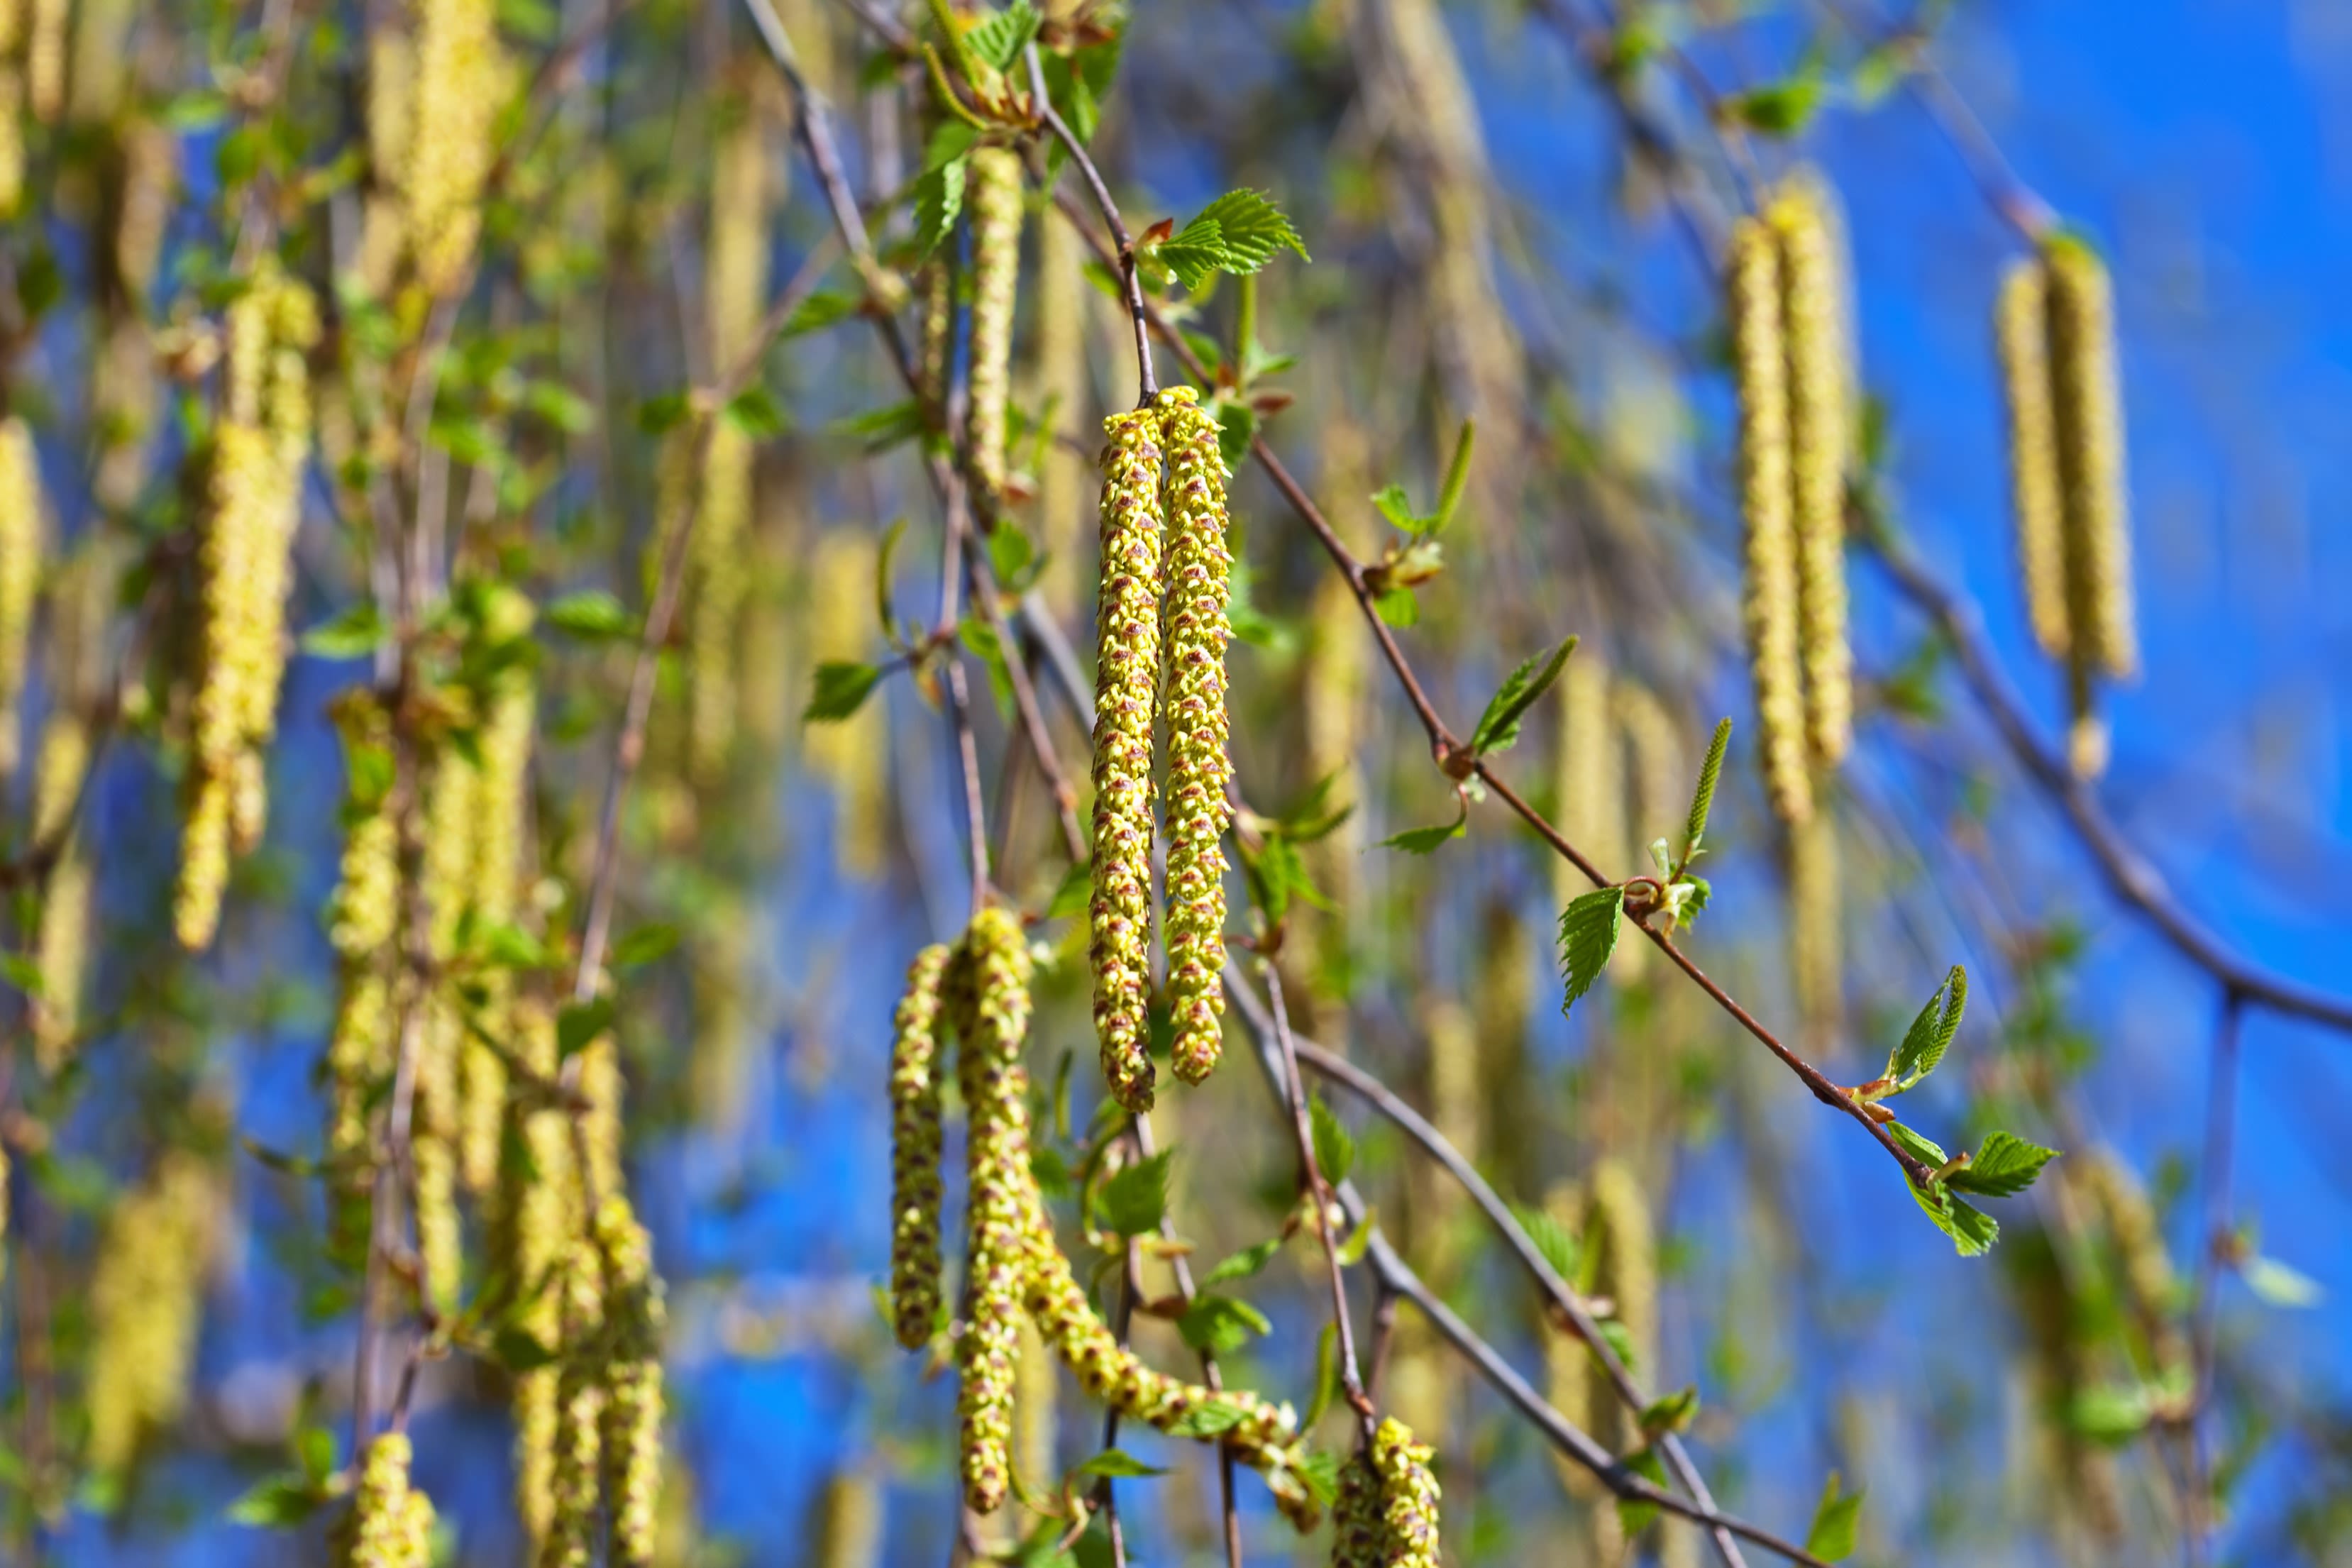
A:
[938,341]
[987,1000]
[44,59]
[12,139]
[633,1322]
[459,81]
[20,577]
[1813,312]
[391,1522]
[1759,354]
[1198,575]
[2086,397]
[915,1192]
[63,942]
[146,1298]
[992,191]
[1126,672]
[2021,331]
[575,1473]
[391,112]
[541,1217]
[1408,1498]
[850,756]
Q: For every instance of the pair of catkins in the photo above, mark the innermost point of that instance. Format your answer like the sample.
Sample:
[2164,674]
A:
[1161,635]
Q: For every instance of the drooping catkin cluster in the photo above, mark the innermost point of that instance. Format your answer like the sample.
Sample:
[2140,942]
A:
[914,1195]
[633,1319]
[2054,325]
[849,756]
[63,942]
[256,502]
[1793,352]
[1127,677]
[391,1521]
[993,190]
[1408,1497]
[1193,633]
[146,1298]
[20,577]
[461,76]
[543,1213]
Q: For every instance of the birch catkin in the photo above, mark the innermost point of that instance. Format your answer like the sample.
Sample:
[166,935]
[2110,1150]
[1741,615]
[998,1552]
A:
[631,1442]
[63,940]
[1193,632]
[1408,1498]
[1815,948]
[391,1521]
[988,1001]
[915,1153]
[459,77]
[2021,333]
[2086,398]
[994,193]
[1760,353]
[20,577]
[1813,312]
[1127,629]
[146,1298]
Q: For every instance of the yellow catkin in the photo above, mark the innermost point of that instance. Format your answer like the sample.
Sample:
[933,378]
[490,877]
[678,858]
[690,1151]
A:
[2019,333]
[914,1192]
[575,1479]
[492,872]
[460,79]
[994,194]
[1408,1497]
[1060,397]
[542,1213]
[20,577]
[2086,398]
[1815,312]
[101,61]
[938,340]
[849,756]
[2150,1280]
[631,1440]
[1816,945]
[363,918]
[987,1000]
[63,942]
[1568,1378]
[391,1521]
[146,1298]
[850,1523]
[123,398]
[1591,771]
[453,804]
[1193,704]
[391,111]
[1037,1428]
[1626,1272]
[1760,355]
[1127,631]
[44,59]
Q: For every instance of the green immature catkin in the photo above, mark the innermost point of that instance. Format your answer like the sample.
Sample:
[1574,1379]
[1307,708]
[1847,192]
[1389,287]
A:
[1759,349]
[914,1195]
[938,340]
[1813,314]
[1127,630]
[2020,331]
[988,1001]
[1193,633]
[2086,399]
[633,1319]
[994,193]
[1408,1497]
[20,577]
[391,1522]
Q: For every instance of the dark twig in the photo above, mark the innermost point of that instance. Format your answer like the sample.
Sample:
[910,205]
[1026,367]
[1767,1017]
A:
[2219,1252]
[1146,378]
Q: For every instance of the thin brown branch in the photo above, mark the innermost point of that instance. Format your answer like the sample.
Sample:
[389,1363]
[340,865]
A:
[1147,376]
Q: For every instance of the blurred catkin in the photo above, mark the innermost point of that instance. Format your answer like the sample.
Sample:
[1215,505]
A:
[1816,950]
[1192,697]
[542,1212]
[63,942]
[987,1000]
[2021,332]
[915,1193]
[1359,1533]
[1591,771]
[1760,355]
[391,124]
[146,1297]
[1060,397]
[849,756]
[1127,631]
[634,1317]
[1814,314]
[2152,1284]
[44,59]
[850,1523]
[994,194]
[575,1469]
[2086,399]
[391,1521]
[493,872]
[460,84]
[20,577]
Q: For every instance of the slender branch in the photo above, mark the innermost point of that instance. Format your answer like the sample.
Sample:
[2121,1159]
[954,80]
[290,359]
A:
[2219,1168]
[1147,377]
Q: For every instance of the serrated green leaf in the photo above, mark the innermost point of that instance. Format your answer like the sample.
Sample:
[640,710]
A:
[1919,1146]
[882,428]
[1391,502]
[1588,928]
[1423,840]
[1134,1201]
[1670,1412]
[1498,727]
[999,39]
[1972,1230]
[825,308]
[1836,1519]
[842,686]
[1930,1034]
[1073,894]
[591,613]
[2006,1164]
[1560,1247]
[1241,1265]
[1320,1471]
[1334,1146]
[938,193]
[755,412]
[1398,608]
[1239,233]
[1220,1325]
[1634,1516]
[1118,1465]
[1710,772]
[354,634]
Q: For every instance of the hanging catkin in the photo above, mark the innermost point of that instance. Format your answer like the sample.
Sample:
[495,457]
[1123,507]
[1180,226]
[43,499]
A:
[1060,397]
[2150,1281]
[460,82]
[391,1521]
[63,940]
[1127,631]
[1193,632]
[575,1470]
[993,190]
[850,1524]
[1759,354]
[987,999]
[2086,403]
[146,1298]
[849,756]
[542,1211]
[391,122]
[493,878]
[1590,770]
[1815,948]
[634,1320]
[914,1195]
[20,577]
[2020,330]
[1813,313]
[44,59]
[1408,1498]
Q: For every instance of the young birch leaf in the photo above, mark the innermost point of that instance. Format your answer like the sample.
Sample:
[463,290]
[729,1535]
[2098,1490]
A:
[1136,1200]
[1334,1146]
[1220,1325]
[1457,477]
[1070,898]
[2005,1165]
[591,613]
[1924,1150]
[1835,1519]
[1634,1516]
[841,686]
[1553,1240]
[939,200]
[1498,727]
[1327,1375]
[1119,1465]
[999,39]
[1588,935]
[889,548]
[1422,840]
[1973,1231]
[1391,502]
[1239,233]
[1703,799]
[1242,1263]
[1930,1034]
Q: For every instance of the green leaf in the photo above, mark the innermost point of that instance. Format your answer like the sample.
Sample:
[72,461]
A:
[1835,1519]
[1237,428]
[1398,608]
[1334,1146]
[2276,1284]
[1670,1412]
[756,413]
[2005,1165]
[1000,39]
[519,1352]
[1239,233]
[1012,558]
[1498,727]
[882,556]
[1919,1146]
[23,973]
[1241,1265]
[939,193]
[1134,1201]
[1318,1471]
[354,634]
[580,1022]
[1074,894]
[591,613]
[659,415]
[1560,1247]
[1634,1516]
[1588,928]
[1118,1465]
[643,944]
[280,1501]
[2111,1413]
[1393,503]
[825,308]
[1703,799]
[1780,109]
[1327,1377]
[1210,1418]
[314,1450]
[1931,1031]
[1359,1240]
[841,686]
[1220,1325]
[1422,840]
[883,428]
[1457,477]
[1973,1231]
